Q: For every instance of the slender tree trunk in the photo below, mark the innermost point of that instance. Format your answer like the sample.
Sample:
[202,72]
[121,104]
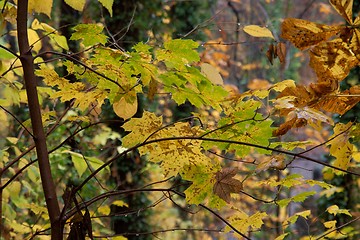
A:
[27,59]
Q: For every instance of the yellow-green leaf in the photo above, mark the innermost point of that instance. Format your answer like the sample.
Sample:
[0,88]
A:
[39,6]
[257,31]
[76,4]
[108,5]
[334,209]
[282,236]
[79,163]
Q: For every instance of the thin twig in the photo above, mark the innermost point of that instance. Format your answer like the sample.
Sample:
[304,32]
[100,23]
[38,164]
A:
[17,120]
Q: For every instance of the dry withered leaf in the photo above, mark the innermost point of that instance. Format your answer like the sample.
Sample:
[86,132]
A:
[332,59]
[304,34]
[344,8]
[226,183]
[340,102]
[281,51]
[270,53]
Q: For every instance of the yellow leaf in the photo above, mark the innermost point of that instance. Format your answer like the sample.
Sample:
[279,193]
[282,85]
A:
[334,209]
[257,31]
[105,210]
[108,5]
[356,154]
[39,6]
[212,74]
[119,238]
[282,236]
[330,224]
[280,86]
[141,128]
[120,203]
[76,4]
[126,107]
[34,40]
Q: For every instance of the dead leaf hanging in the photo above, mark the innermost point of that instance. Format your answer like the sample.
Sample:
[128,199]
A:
[226,183]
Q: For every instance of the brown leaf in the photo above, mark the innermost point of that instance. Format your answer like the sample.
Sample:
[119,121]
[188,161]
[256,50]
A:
[344,8]
[153,86]
[281,51]
[226,183]
[270,53]
[341,102]
[304,34]
[332,59]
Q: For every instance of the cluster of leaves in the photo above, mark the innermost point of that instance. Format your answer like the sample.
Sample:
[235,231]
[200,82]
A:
[193,150]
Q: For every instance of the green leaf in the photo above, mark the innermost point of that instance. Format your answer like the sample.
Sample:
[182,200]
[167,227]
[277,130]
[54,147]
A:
[91,34]
[79,162]
[178,53]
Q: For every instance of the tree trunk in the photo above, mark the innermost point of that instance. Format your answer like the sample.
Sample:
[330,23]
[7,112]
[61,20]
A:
[39,136]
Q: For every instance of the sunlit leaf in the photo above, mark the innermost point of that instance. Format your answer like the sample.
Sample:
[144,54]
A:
[257,31]
[40,7]
[76,4]
[334,209]
[108,5]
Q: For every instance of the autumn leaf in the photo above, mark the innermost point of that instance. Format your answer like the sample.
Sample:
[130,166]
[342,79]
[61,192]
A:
[340,147]
[257,31]
[40,7]
[243,222]
[226,183]
[334,209]
[108,5]
[212,74]
[127,106]
[344,8]
[333,59]
[304,34]
[202,179]
[76,4]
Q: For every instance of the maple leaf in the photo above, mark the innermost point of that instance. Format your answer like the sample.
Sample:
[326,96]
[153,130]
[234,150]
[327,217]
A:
[226,183]
[91,34]
[203,180]
[242,221]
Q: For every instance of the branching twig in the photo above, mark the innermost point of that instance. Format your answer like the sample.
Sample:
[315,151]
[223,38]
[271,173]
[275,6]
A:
[82,64]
